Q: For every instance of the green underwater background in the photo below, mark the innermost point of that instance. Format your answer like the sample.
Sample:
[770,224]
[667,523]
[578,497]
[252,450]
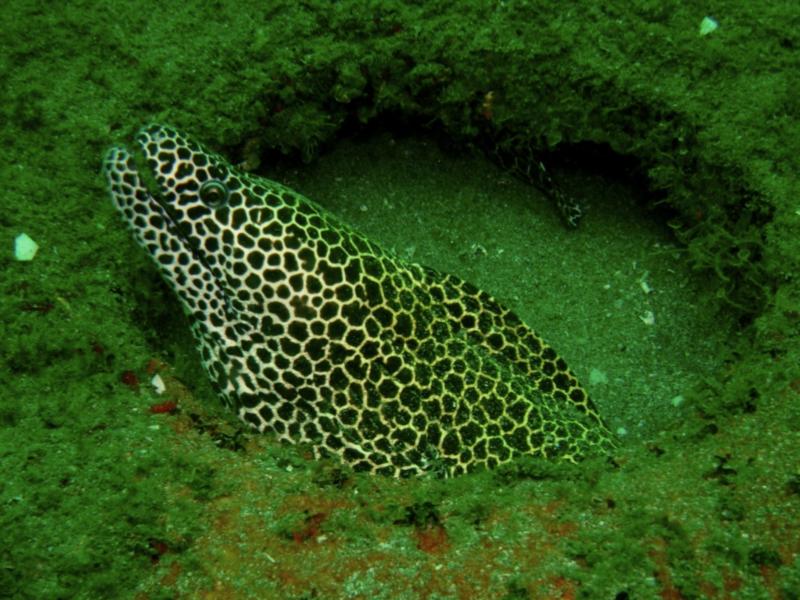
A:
[676,301]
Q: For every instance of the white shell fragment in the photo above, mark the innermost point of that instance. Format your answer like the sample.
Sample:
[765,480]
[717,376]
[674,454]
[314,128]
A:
[708,25]
[158,384]
[24,247]
[643,283]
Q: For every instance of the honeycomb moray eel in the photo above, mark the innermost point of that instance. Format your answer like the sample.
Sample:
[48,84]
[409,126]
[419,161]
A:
[310,330]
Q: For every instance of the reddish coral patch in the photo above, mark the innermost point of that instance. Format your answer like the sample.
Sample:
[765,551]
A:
[658,554]
[157,550]
[164,407]
[563,588]
[432,539]
[130,379]
[153,366]
[311,528]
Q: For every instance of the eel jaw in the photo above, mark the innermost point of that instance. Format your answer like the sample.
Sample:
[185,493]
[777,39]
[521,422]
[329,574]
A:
[155,230]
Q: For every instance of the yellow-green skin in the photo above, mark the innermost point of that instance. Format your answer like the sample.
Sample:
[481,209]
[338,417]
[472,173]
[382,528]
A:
[309,330]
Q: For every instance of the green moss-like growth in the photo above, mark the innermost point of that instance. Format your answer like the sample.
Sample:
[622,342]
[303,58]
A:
[101,498]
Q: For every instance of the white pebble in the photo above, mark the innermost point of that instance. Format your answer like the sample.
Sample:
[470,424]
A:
[158,384]
[708,25]
[24,247]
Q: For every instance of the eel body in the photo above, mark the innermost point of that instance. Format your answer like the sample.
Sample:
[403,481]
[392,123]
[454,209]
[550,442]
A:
[308,329]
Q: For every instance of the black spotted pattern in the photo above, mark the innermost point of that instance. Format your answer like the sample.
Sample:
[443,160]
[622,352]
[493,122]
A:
[312,331]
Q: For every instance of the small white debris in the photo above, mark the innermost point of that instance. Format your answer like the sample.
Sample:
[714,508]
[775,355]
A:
[478,249]
[708,25]
[643,283]
[596,376]
[24,247]
[621,431]
[677,401]
[648,318]
[158,384]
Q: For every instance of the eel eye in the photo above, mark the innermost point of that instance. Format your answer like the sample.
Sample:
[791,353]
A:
[213,193]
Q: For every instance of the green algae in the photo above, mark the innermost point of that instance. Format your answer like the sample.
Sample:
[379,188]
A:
[100,498]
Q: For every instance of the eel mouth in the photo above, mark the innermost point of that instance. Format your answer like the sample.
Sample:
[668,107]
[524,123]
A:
[146,205]
[144,169]
[142,202]
[133,166]
[136,192]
